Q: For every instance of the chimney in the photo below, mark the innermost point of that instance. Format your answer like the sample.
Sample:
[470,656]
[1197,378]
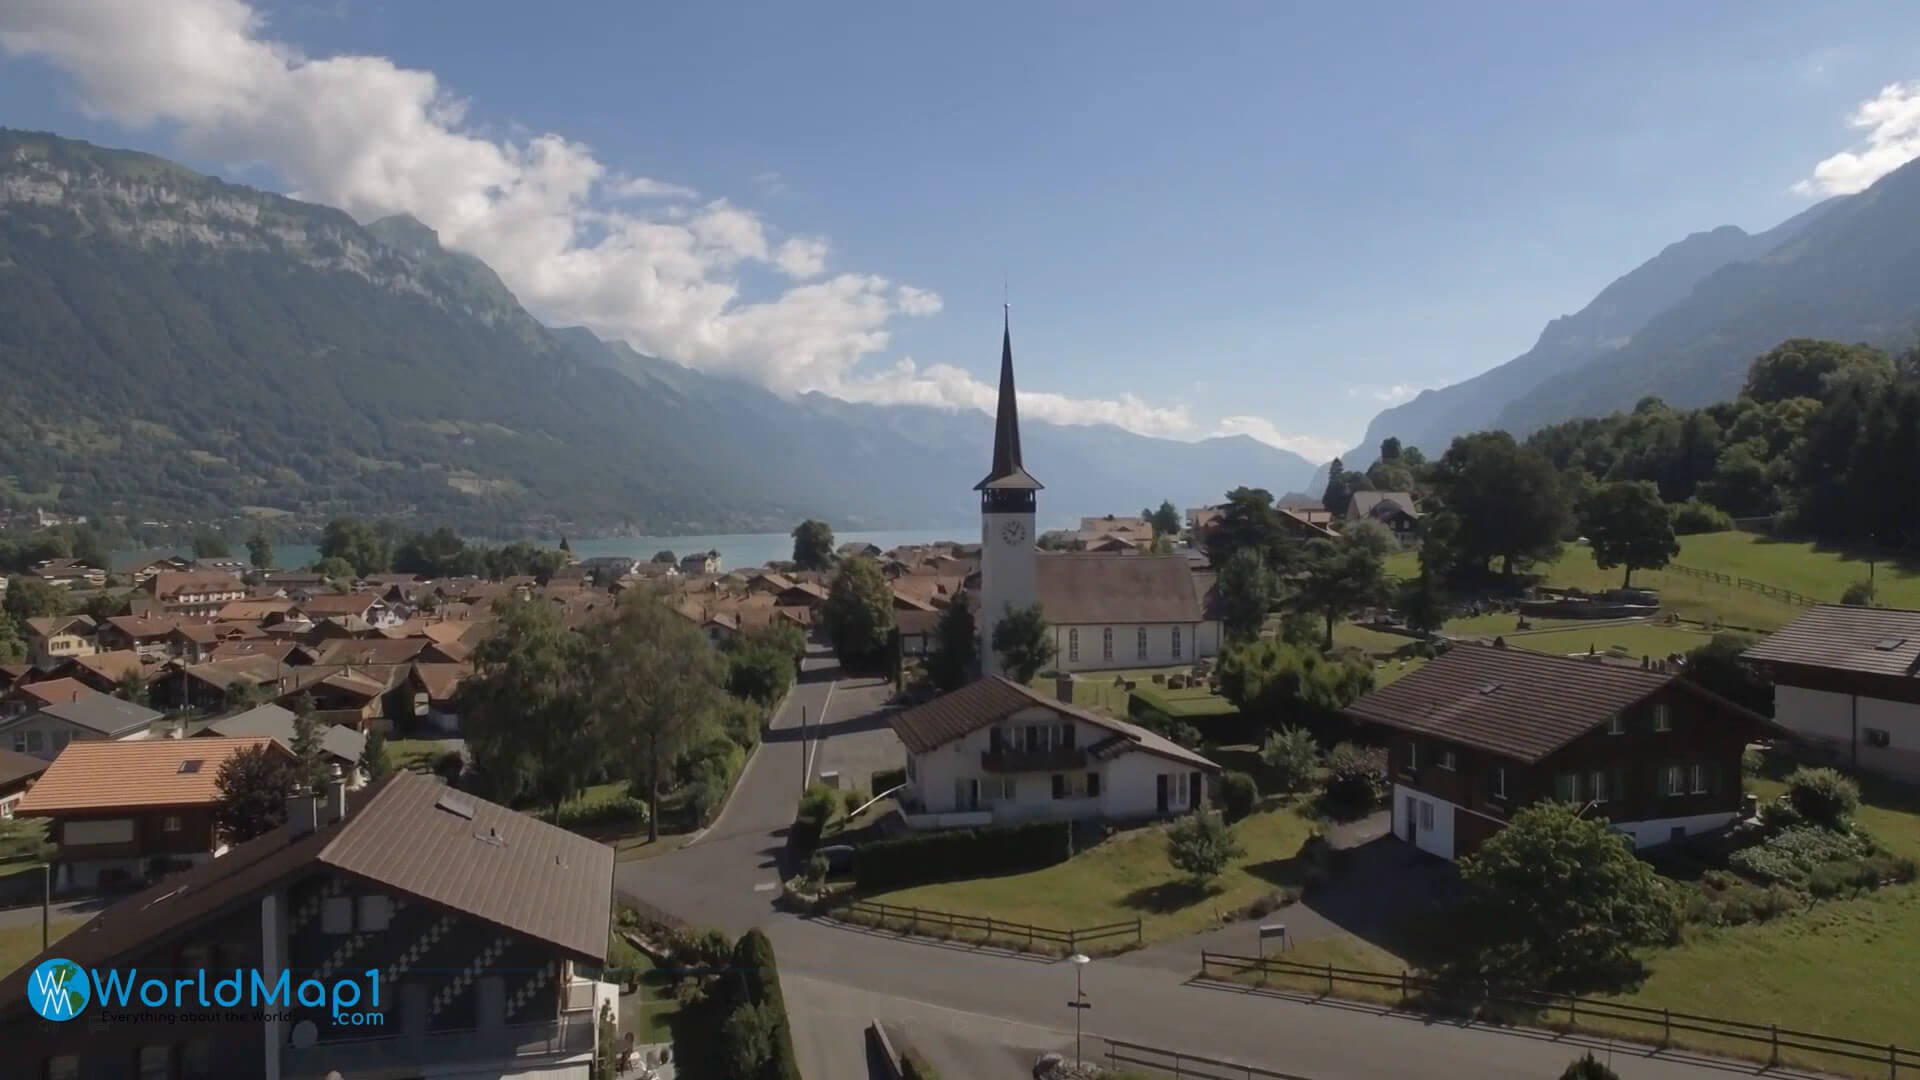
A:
[1063,687]
[336,796]
[301,808]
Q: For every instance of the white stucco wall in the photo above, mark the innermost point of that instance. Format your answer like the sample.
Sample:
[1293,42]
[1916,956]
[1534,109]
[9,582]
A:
[1434,840]
[1196,640]
[1006,577]
[1132,790]
[1814,712]
[1828,720]
[1660,830]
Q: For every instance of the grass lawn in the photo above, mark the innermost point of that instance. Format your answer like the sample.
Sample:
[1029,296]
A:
[1096,690]
[649,1013]
[1639,640]
[418,754]
[1378,642]
[20,943]
[1128,876]
[1820,573]
[1501,622]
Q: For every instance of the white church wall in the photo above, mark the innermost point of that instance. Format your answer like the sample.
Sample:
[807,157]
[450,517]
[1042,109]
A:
[1195,640]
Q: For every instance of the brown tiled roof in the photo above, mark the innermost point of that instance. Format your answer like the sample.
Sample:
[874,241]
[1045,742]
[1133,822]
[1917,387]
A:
[15,766]
[441,680]
[170,583]
[1366,502]
[277,649]
[1847,639]
[264,667]
[327,604]
[54,691]
[49,625]
[1115,589]
[917,622]
[1521,704]
[456,630]
[253,610]
[539,880]
[98,775]
[371,650]
[135,626]
[450,651]
[507,868]
[114,665]
[992,698]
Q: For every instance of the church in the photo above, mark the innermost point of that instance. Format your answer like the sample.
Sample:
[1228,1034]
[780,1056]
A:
[1105,611]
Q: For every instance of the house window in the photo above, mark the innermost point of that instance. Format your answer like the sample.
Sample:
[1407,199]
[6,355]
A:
[1597,787]
[1001,789]
[1106,643]
[1497,783]
[1140,642]
[375,913]
[156,1062]
[1059,785]
[1426,816]
[171,823]
[1566,787]
[1176,643]
[1449,761]
[1073,644]
[336,915]
[1676,780]
[1877,737]
[1616,724]
[1093,785]
[1413,756]
[1663,718]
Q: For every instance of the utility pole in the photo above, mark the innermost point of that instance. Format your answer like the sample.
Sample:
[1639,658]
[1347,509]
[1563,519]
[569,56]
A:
[803,751]
[46,905]
[1079,1004]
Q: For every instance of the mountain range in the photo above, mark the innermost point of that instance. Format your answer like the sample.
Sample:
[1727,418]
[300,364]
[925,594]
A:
[1685,325]
[175,346]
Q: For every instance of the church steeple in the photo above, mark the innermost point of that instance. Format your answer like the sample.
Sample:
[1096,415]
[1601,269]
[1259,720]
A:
[1008,474]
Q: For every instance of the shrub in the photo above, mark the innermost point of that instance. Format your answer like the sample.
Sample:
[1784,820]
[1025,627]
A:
[1356,777]
[1823,796]
[818,804]
[1270,903]
[1792,855]
[621,811]
[1292,756]
[961,853]
[1858,594]
[1694,516]
[1778,816]
[1829,880]
[1773,901]
[887,779]
[1238,794]
[1201,846]
[760,977]
[1752,761]
[746,1039]
[1588,1067]
[854,799]
[449,765]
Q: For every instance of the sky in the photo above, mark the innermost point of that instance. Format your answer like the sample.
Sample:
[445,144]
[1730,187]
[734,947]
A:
[1264,218]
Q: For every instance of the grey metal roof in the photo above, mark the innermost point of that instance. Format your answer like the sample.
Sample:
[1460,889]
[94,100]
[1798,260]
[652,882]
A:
[15,766]
[276,723]
[1874,641]
[103,713]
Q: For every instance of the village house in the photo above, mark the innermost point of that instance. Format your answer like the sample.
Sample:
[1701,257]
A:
[234,568]
[995,752]
[150,638]
[917,631]
[858,549]
[340,747]
[1113,534]
[483,922]
[700,562]
[53,639]
[70,573]
[1396,510]
[193,593]
[139,574]
[18,772]
[29,693]
[1846,680]
[101,671]
[434,687]
[122,812]
[88,717]
[1481,732]
[369,607]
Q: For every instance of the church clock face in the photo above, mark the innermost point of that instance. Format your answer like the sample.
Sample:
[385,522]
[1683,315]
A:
[1013,532]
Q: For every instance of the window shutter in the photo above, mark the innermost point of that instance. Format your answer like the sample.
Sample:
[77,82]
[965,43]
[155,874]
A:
[1066,736]
[1059,786]
[1193,791]
[1093,785]
[1619,784]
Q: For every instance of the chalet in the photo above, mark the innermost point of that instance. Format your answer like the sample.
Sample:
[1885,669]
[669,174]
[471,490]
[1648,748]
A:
[233,568]
[340,746]
[255,609]
[29,694]
[1482,732]
[700,562]
[101,671]
[806,594]
[90,717]
[1846,680]
[481,922]
[140,573]
[196,593]
[10,676]
[52,639]
[208,687]
[917,631]
[995,751]
[70,573]
[150,638]
[18,772]
[349,694]
[367,606]
[1396,510]
[434,687]
[129,811]
[858,550]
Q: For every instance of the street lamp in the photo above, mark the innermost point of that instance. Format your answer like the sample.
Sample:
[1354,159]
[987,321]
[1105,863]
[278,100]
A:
[1079,1004]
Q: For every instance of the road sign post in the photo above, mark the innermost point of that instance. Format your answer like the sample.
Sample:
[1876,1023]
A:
[1272,930]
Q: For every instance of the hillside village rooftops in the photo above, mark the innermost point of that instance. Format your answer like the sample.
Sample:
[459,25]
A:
[15,766]
[1870,641]
[148,772]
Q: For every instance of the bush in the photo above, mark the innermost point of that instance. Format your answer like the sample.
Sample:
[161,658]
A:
[1694,516]
[818,804]
[1858,594]
[854,799]
[1356,777]
[1778,816]
[1823,796]
[449,765]
[622,811]
[1792,855]
[1238,794]
[746,1039]
[1752,761]
[1292,756]
[1589,1067]
[887,779]
[760,978]
[1829,880]
[1201,846]
[961,853]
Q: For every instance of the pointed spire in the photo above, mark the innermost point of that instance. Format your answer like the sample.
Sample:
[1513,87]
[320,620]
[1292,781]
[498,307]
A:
[1008,470]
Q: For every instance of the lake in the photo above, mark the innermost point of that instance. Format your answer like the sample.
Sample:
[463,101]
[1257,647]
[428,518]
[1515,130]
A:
[736,550]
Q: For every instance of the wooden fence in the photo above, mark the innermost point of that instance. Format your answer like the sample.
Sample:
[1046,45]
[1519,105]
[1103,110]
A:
[984,929]
[1184,1066]
[1770,1036]
[1785,596]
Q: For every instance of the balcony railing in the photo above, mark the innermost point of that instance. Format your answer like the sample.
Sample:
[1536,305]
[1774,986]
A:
[1064,760]
[374,1058]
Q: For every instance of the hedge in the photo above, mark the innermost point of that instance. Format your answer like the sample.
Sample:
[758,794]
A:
[961,853]
[760,985]
[1148,696]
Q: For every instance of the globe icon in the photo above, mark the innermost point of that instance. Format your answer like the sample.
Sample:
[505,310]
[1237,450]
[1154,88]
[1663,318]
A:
[58,989]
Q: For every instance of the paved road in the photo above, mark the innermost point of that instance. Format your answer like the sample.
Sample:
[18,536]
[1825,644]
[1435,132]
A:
[62,909]
[993,1009]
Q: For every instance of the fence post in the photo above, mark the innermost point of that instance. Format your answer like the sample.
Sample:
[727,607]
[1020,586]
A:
[1073,941]
[1893,1061]
[1773,1054]
[1029,937]
[1329,979]
[913,924]
[1666,1027]
[988,940]
[1573,1006]
[1139,932]
[1403,986]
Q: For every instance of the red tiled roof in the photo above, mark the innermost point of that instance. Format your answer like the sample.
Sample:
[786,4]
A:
[103,774]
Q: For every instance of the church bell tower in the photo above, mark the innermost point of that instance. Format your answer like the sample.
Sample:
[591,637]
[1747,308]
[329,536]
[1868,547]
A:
[1007,503]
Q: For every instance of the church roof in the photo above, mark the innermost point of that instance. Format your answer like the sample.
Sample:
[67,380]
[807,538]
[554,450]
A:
[1008,472]
[1082,588]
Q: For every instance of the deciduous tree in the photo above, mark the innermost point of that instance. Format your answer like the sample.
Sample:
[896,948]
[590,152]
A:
[252,786]
[310,764]
[859,612]
[664,556]
[357,541]
[259,550]
[374,762]
[955,656]
[1166,520]
[208,544]
[1200,846]
[1627,525]
[1508,500]
[1022,642]
[31,598]
[524,712]
[1248,590]
[1343,576]
[812,545]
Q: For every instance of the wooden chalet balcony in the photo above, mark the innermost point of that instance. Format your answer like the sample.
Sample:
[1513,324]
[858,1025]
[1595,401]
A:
[392,1057]
[1062,760]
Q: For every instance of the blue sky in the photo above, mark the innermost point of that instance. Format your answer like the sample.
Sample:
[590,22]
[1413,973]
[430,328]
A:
[1261,217]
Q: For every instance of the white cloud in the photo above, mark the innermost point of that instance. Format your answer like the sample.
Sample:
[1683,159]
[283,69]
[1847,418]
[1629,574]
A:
[1312,447]
[1390,394]
[373,138]
[1891,121]
[949,387]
